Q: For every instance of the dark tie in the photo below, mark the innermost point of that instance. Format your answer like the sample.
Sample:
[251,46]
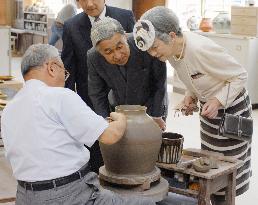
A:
[123,71]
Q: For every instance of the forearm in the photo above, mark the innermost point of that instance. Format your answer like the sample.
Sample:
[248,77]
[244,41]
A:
[114,132]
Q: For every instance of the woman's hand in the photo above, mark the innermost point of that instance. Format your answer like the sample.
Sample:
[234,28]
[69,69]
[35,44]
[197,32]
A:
[189,106]
[188,100]
[210,108]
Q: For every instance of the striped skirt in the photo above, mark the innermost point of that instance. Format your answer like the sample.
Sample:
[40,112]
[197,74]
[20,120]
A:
[210,140]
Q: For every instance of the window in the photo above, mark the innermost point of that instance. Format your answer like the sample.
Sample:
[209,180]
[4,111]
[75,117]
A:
[200,8]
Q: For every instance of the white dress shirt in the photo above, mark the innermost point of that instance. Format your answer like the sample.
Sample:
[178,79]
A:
[44,130]
[101,16]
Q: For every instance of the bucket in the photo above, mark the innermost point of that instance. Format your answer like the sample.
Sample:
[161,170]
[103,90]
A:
[171,148]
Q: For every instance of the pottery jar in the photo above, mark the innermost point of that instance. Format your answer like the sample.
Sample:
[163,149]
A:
[221,23]
[137,151]
[193,23]
[206,25]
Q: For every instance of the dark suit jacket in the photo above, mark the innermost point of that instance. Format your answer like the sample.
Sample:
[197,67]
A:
[76,43]
[145,82]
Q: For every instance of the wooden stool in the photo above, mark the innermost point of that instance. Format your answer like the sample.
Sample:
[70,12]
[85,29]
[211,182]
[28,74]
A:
[209,183]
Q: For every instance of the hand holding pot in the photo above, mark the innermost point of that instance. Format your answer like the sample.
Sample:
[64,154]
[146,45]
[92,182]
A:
[115,130]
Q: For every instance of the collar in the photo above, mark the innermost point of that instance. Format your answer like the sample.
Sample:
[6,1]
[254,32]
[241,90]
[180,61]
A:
[35,82]
[101,16]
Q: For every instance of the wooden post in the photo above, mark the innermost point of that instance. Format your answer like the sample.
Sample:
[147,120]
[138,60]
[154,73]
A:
[205,192]
[140,6]
[231,189]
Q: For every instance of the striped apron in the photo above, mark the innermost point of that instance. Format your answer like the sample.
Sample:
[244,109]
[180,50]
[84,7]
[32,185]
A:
[210,140]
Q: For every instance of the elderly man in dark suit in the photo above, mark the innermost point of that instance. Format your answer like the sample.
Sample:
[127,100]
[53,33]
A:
[76,43]
[115,63]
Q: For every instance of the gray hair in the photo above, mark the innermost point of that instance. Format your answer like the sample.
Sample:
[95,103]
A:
[105,29]
[36,55]
[164,21]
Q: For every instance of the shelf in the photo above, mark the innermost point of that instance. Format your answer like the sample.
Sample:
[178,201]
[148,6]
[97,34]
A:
[30,12]
[36,32]
[33,21]
[224,35]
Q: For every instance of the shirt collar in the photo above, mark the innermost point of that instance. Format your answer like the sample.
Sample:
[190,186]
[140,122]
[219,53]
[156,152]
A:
[35,82]
[101,16]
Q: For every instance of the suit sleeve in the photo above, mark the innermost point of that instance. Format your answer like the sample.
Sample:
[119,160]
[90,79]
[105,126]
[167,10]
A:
[159,89]
[98,90]
[68,58]
[131,22]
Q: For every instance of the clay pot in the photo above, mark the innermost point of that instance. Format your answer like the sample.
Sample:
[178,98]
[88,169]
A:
[221,23]
[137,152]
[206,25]
[171,148]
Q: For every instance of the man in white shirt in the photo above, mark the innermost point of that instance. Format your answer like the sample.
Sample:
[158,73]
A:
[44,136]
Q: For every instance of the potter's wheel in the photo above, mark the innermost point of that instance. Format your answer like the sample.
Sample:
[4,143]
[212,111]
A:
[129,179]
[157,192]
[150,185]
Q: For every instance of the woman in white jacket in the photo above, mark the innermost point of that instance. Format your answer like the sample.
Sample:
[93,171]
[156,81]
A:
[211,76]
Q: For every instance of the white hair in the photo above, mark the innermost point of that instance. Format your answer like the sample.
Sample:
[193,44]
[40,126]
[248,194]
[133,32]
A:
[36,55]
[164,21]
[104,29]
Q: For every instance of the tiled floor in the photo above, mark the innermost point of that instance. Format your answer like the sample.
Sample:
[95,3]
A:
[189,128]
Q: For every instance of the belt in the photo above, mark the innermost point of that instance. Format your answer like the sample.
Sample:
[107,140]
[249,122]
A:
[53,183]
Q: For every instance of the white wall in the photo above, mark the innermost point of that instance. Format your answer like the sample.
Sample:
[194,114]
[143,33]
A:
[5,51]
[125,4]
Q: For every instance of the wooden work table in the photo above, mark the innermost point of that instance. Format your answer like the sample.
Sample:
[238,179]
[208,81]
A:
[210,182]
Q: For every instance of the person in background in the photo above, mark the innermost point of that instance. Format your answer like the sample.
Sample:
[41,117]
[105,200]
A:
[77,42]
[134,77]
[45,142]
[211,76]
[68,11]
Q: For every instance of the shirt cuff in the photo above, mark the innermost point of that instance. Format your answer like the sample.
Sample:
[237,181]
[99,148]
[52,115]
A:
[156,118]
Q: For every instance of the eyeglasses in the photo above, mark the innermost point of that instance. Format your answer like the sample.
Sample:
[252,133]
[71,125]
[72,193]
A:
[67,74]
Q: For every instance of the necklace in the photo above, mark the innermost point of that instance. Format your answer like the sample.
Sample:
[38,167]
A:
[181,53]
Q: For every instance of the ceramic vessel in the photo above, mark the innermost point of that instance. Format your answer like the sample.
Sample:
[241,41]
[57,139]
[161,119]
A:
[206,25]
[137,152]
[221,23]
[193,23]
[171,148]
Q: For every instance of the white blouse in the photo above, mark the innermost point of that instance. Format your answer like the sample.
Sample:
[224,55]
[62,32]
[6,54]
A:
[207,70]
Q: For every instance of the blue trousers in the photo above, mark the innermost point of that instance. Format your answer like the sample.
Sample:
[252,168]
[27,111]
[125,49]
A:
[57,33]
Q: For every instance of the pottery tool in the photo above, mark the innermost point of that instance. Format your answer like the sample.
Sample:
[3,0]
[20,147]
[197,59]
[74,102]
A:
[204,153]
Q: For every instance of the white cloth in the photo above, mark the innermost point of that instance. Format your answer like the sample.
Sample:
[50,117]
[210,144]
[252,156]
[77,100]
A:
[68,11]
[44,129]
[101,16]
[215,67]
